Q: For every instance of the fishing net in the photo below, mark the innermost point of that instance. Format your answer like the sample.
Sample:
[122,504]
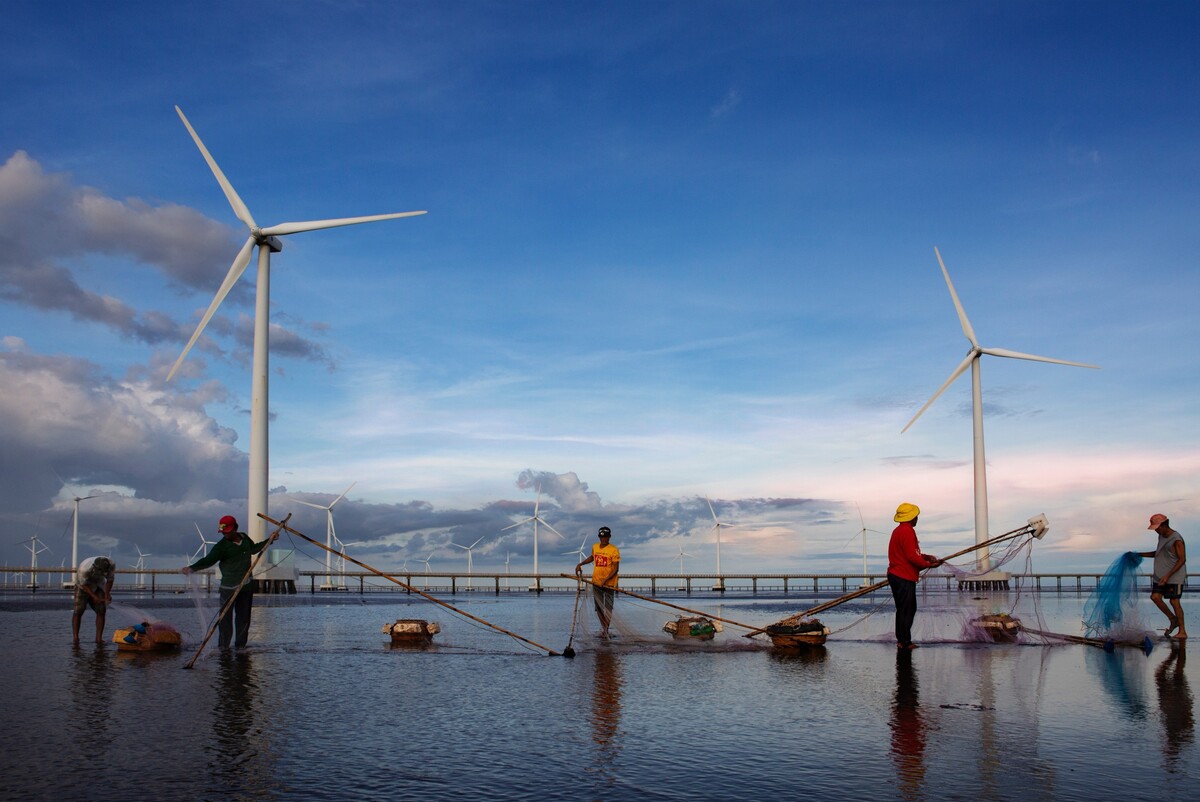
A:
[1110,610]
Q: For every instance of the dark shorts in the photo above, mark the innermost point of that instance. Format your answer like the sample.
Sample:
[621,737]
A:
[603,598]
[1167,591]
[84,601]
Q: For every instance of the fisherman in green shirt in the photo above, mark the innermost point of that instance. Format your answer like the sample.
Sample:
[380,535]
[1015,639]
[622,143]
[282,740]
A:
[232,555]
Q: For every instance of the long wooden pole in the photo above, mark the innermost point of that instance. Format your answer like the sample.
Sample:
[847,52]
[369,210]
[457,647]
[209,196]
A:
[233,598]
[409,588]
[1027,529]
[658,601]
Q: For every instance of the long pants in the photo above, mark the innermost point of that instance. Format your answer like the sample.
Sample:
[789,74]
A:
[904,593]
[238,616]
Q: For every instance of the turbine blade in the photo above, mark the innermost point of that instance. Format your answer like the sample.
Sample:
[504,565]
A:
[231,195]
[343,495]
[551,528]
[1004,352]
[316,225]
[518,523]
[710,507]
[235,272]
[962,314]
[957,372]
[310,504]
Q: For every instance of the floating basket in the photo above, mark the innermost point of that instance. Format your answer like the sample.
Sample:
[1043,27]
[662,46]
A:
[412,630]
[810,632]
[147,637]
[698,627]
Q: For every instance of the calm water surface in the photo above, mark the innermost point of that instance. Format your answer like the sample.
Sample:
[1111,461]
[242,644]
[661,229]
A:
[322,707]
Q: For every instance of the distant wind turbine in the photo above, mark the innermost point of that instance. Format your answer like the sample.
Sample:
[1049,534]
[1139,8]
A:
[425,582]
[536,520]
[683,554]
[581,553]
[972,360]
[720,584]
[470,566]
[330,533]
[266,239]
[342,560]
[34,550]
[202,549]
[141,565]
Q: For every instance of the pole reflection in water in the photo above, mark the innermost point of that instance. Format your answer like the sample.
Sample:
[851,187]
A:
[909,729]
[606,715]
[1175,705]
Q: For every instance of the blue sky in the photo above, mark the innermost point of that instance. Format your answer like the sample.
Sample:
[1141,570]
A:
[672,250]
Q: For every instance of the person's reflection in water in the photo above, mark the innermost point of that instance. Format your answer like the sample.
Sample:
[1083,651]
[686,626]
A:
[908,728]
[91,690]
[606,716]
[1175,704]
[238,744]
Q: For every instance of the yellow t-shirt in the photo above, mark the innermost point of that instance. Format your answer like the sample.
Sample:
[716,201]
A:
[605,560]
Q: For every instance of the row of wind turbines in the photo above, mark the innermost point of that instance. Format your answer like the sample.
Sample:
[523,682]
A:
[266,240]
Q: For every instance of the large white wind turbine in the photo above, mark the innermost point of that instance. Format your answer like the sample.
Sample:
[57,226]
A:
[75,536]
[330,533]
[972,360]
[537,519]
[266,239]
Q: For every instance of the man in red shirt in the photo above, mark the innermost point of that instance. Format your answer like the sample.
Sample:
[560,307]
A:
[905,564]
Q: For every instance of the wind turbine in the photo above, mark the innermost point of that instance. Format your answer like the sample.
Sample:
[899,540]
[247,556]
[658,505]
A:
[580,553]
[141,565]
[342,560]
[507,556]
[34,551]
[204,544]
[266,239]
[425,582]
[682,554]
[470,567]
[330,533]
[863,534]
[972,360]
[536,586]
[720,584]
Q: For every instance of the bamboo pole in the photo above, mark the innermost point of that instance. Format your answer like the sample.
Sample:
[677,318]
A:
[1107,644]
[228,604]
[1030,528]
[659,601]
[409,588]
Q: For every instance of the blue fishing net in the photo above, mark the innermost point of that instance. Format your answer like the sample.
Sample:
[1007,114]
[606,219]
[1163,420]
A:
[1114,596]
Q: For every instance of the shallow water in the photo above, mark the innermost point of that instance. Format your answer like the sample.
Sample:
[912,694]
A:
[321,706]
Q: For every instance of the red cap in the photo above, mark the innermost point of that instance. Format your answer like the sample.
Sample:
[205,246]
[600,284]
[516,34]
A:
[228,524]
[1157,520]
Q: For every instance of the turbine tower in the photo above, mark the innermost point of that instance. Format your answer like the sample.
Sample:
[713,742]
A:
[330,533]
[266,239]
[972,360]
[537,582]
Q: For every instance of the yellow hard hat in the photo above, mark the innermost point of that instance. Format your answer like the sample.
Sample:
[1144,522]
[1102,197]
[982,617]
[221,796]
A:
[906,512]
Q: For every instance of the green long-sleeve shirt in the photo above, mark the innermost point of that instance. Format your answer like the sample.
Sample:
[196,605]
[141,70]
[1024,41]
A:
[232,559]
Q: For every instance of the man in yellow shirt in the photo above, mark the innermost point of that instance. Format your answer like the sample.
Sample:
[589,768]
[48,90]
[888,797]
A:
[607,559]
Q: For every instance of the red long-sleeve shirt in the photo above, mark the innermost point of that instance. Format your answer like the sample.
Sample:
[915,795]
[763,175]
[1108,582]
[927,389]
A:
[905,559]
